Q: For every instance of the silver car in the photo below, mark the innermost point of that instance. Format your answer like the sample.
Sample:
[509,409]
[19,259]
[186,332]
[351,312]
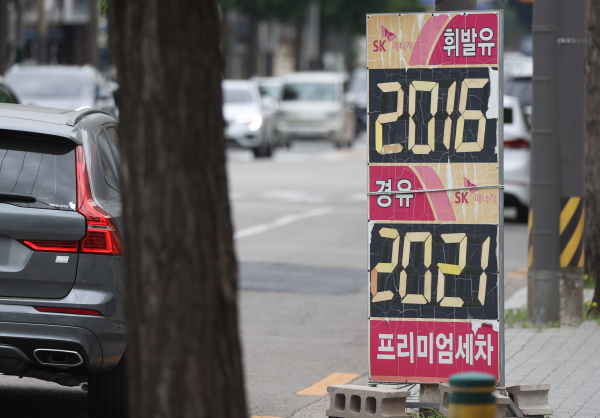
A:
[62,86]
[61,263]
[313,105]
[248,122]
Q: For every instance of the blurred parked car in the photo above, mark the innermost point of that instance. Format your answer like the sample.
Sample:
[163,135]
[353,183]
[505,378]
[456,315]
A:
[518,79]
[357,90]
[517,144]
[313,105]
[269,87]
[248,123]
[62,86]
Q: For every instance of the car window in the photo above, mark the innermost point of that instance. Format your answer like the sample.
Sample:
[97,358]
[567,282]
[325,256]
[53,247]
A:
[520,88]
[49,84]
[237,96]
[43,168]
[114,138]
[316,92]
[107,161]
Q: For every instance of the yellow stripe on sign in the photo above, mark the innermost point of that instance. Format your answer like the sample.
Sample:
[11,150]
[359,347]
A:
[580,264]
[567,213]
[530,257]
[320,388]
[529,222]
[569,251]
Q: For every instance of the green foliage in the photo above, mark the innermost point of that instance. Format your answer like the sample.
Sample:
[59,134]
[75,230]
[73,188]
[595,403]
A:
[350,15]
[429,413]
[345,15]
[280,10]
[515,316]
[589,281]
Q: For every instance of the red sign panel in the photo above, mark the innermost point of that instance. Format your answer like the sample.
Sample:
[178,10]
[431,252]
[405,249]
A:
[431,351]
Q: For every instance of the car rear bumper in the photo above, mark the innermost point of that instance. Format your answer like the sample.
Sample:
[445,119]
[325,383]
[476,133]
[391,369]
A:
[99,342]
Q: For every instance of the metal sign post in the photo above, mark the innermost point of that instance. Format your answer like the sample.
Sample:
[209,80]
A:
[435,200]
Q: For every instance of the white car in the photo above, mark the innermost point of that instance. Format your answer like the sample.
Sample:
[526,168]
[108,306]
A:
[518,72]
[517,154]
[269,86]
[247,123]
[313,105]
[62,86]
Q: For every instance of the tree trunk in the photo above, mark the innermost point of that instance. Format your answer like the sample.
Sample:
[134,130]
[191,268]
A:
[298,43]
[92,34]
[253,52]
[592,149]
[3,35]
[183,344]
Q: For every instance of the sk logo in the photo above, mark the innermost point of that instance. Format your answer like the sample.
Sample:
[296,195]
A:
[387,34]
[380,45]
[467,183]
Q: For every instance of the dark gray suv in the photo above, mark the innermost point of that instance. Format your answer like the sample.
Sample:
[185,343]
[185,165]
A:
[61,266]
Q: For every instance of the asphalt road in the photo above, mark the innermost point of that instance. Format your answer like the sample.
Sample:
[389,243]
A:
[301,236]
[300,223]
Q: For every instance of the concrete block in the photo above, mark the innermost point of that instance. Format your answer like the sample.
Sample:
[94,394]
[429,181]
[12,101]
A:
[429,392]
[353,401]
[501,404]
[444,398]
[531,399]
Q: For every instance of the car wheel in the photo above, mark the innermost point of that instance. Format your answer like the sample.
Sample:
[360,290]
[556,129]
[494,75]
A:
[522,213]
[263,150]
[107,393]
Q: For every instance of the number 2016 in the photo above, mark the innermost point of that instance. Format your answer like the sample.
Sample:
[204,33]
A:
[443,269]
[433,88]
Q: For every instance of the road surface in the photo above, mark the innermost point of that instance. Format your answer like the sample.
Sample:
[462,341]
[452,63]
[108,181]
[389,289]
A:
[301,236]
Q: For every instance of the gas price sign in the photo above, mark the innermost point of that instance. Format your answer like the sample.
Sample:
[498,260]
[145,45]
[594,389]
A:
[435,195]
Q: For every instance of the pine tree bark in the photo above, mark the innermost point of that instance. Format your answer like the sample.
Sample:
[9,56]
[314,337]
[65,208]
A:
[592,149]
[183,345]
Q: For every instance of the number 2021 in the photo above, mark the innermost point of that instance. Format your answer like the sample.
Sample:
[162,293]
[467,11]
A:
[433,88]
[443,269]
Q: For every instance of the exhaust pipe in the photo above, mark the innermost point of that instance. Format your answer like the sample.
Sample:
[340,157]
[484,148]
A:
[62,358]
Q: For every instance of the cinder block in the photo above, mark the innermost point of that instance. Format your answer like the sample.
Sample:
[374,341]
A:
[353,401]
[501,404]
[444,398]
[429,392]
[531,399]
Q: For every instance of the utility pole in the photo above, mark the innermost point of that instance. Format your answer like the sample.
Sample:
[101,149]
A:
[20,41]
[555,262]
[314,28]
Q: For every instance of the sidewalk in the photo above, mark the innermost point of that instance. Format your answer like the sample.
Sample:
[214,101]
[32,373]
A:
[568,358]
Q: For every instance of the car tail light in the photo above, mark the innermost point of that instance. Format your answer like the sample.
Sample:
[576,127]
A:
[517,143]
[102,235]
[53,246]
[73,311]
